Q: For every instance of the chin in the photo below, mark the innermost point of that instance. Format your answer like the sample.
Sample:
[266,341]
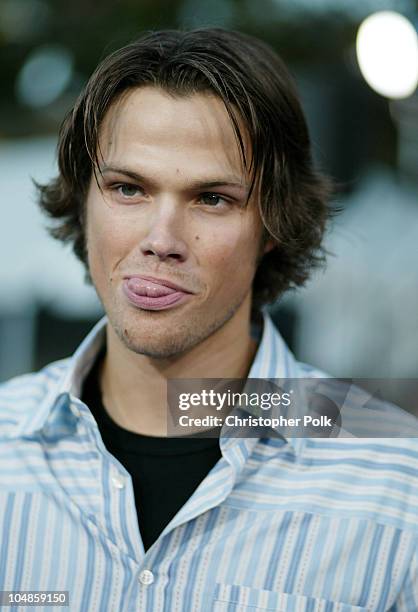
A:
[150,336]
[158,348]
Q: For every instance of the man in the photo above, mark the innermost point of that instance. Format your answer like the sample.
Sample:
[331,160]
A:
[186,187]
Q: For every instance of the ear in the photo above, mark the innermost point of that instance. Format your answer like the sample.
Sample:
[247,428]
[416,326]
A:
[269,246]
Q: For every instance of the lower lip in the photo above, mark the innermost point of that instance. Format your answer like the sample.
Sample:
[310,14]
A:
[158,303]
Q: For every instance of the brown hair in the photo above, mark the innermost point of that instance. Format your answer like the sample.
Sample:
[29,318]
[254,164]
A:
[252,81]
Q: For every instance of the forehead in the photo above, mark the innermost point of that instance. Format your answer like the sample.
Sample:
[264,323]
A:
[148,125]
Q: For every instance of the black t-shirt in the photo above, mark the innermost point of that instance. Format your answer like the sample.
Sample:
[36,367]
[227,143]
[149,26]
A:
[165,471]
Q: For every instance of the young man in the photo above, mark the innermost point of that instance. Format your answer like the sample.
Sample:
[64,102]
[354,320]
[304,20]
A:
[186,187]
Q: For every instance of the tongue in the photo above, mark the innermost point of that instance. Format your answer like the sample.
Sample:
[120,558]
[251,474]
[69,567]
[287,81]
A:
[148,288]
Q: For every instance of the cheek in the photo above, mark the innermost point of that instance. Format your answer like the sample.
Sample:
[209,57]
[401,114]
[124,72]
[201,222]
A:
[230,255]
[107,242]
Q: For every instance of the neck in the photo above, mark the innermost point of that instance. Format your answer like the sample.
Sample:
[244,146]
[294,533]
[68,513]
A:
[134,386]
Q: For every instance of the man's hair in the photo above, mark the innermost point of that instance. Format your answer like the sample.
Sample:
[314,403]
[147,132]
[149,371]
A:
[258,93]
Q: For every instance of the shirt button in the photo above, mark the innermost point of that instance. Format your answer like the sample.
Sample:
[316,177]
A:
[118,482]
[146,577]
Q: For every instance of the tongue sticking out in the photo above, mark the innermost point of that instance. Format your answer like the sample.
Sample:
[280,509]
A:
[148,288]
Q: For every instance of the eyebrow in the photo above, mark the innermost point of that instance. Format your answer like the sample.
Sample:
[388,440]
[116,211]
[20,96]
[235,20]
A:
[193,185]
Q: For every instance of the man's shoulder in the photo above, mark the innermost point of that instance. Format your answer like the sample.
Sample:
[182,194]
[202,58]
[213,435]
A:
[375,480]
[402,451]
[364,408]
[374,432]
[22,395]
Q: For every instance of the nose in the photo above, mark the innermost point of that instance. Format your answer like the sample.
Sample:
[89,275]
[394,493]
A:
[164,239]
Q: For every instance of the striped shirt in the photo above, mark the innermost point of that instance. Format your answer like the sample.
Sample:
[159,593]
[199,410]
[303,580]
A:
[288,524]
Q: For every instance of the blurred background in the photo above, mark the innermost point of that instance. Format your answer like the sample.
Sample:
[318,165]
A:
[359,318]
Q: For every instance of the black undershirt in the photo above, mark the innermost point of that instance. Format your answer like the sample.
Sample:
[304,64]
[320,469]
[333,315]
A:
[165,471]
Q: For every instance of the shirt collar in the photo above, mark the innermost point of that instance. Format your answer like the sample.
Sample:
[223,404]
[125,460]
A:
[65,389]
[273,360]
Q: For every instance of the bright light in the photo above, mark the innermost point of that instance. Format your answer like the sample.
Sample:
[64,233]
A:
[387,53]
[44,76]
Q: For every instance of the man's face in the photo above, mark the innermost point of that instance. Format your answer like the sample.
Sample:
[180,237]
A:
[172,207]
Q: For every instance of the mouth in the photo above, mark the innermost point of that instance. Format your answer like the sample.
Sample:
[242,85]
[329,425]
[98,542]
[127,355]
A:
[150,293]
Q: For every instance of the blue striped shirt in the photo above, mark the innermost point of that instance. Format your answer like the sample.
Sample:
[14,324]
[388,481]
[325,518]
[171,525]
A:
[289,524]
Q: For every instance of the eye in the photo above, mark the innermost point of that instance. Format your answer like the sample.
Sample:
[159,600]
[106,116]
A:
[212,199]
[127,190]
